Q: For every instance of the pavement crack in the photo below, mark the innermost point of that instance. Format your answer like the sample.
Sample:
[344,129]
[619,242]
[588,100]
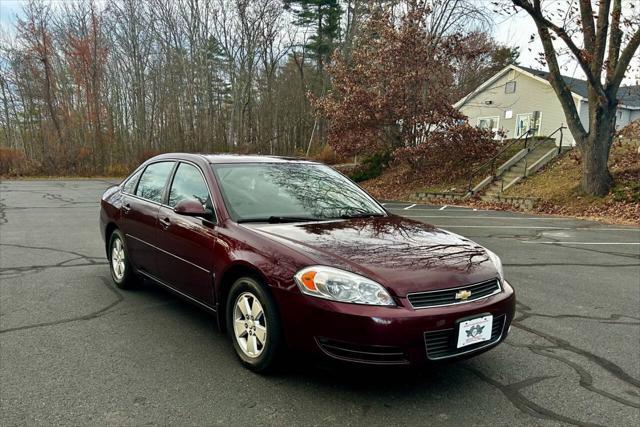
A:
[92,315]
[586,379]
[524,404]
[605,364]
[82,260]
[526,312]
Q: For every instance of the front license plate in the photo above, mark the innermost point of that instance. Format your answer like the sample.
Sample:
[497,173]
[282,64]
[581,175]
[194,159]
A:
[474,331]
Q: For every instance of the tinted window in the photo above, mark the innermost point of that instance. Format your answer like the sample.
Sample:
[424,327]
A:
[188,184]
[260,190]
[153,180]
[130,185]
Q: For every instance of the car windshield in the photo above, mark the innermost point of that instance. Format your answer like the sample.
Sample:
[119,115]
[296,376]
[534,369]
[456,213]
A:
[280,192]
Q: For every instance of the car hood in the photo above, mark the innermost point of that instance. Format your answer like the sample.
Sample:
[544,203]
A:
[402,254]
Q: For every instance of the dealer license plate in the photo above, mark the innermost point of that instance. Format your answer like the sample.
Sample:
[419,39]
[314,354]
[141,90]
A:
[474,331]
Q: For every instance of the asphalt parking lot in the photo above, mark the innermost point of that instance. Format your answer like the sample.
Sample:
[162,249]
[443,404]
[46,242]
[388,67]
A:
[75,350]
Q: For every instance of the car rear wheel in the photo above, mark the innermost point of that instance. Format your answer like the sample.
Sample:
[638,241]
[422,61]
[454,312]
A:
[254,325]
[121,271]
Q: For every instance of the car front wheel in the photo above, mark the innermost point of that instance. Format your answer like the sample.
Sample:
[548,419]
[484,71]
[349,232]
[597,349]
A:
[254,325]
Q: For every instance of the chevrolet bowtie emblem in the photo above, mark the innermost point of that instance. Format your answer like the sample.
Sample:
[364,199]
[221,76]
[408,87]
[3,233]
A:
[463,295]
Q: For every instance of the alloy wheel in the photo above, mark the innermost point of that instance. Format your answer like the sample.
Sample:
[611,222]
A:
[117,259]
[249,324]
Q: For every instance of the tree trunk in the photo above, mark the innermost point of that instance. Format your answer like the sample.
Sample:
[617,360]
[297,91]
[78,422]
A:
[596,179]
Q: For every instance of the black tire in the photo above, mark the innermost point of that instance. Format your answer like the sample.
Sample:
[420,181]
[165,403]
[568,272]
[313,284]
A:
[269,355]
[125,279]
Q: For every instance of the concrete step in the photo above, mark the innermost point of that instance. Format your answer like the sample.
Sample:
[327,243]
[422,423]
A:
[517,170]
[510,176]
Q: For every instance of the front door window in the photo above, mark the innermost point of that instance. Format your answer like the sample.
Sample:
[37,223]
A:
[523,124]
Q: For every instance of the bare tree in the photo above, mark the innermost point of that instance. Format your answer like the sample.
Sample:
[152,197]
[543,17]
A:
[602,38]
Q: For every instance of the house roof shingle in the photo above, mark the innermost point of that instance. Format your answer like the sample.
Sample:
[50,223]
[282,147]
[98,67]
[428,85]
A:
[628,95]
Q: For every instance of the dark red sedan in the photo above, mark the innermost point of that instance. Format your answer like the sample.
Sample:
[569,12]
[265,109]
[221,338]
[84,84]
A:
[290,254]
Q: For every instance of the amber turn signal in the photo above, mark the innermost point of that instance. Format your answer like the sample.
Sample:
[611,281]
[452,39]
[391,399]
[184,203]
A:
[307,280]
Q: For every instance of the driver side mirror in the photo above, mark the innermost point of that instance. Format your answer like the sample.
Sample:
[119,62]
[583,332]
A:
[191,207]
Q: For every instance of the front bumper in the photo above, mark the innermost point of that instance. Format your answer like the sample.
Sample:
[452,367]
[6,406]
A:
[387,335]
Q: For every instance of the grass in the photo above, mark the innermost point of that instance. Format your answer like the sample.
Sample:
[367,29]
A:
[560,181]
[558,186]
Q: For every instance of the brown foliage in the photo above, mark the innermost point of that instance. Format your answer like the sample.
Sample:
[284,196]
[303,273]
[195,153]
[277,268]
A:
[393,94]
[631,131]
[13,162]
[327,155]
[556,187]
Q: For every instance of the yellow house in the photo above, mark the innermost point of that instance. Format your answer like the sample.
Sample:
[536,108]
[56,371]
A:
[517,99]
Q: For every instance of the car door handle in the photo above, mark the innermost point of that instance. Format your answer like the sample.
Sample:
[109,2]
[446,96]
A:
[126,208]
[165,223]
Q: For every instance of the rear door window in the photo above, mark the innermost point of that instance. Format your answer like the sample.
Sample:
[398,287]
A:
[154,180]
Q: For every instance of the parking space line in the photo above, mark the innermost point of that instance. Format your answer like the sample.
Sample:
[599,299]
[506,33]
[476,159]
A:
[487,217]
[581,243]
[409,207]
[502,226]
[443,208]
[607,229]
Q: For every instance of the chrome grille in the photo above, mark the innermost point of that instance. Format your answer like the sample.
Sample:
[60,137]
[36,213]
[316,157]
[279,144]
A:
[448,296]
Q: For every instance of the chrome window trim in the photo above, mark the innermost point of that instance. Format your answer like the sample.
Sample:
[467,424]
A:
[170,183]
[497,291]
[144,169]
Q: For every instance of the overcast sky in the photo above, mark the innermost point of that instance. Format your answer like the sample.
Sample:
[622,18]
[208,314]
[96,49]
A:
[514,30]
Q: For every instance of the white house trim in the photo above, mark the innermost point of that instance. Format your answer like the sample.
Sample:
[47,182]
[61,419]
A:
[502,72]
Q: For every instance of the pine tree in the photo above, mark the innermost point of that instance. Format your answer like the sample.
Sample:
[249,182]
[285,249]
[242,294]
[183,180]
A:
[324,17]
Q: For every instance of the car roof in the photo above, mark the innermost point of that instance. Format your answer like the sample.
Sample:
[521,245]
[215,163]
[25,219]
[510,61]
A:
[222,158]
[251,158]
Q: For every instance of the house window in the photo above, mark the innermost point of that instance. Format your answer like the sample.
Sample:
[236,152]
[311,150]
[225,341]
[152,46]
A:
[525,122]
[510,87]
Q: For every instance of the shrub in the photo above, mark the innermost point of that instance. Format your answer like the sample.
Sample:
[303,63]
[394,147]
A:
[449,154]
[14,163]
[328,156]
[371,167]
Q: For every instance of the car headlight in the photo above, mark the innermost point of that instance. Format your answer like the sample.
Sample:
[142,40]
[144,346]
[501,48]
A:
[339,285]
[495,259]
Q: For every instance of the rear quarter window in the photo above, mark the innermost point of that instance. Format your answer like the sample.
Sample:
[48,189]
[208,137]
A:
[130,184]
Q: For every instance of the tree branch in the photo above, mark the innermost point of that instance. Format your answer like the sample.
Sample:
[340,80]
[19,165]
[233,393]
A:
[615,39]
[600,46]
[535,11]
[623,63]
[586,14]
[559,85]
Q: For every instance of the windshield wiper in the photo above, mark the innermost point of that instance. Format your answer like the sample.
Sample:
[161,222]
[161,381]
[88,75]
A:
[280,219]
[361,215]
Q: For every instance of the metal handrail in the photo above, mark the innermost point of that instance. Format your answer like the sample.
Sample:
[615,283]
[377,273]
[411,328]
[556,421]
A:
[491,161]
[535,144]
